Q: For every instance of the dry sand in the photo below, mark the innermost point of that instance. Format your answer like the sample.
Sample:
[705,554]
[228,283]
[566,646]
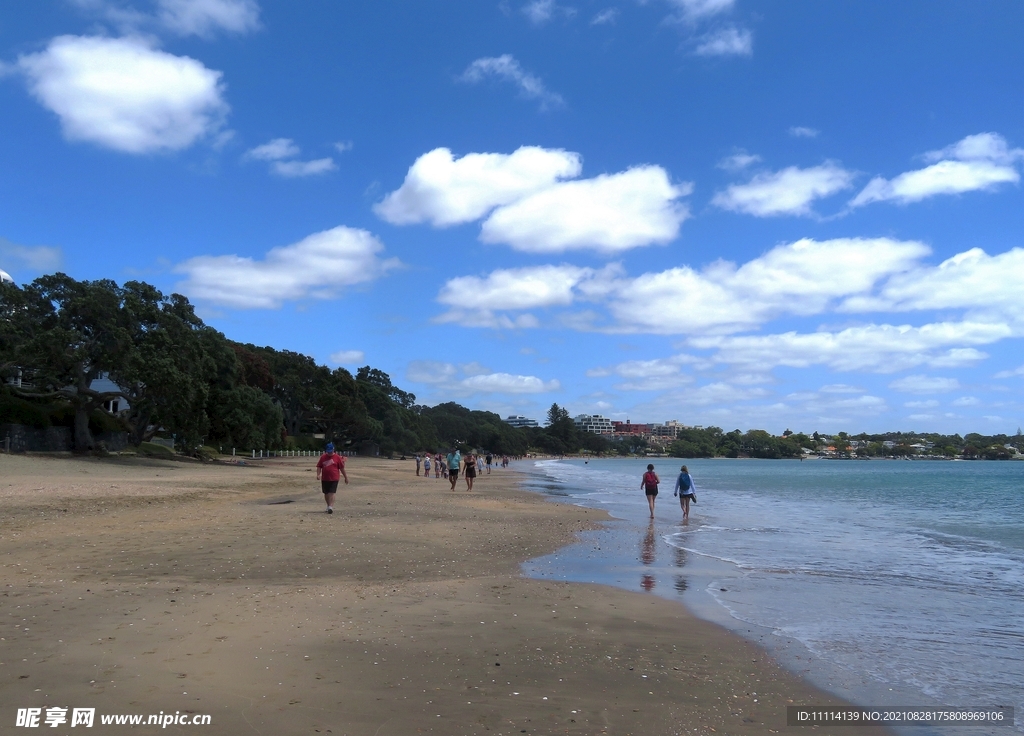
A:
[139,586]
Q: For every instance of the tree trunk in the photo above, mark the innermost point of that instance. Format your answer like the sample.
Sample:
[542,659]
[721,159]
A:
[83,437]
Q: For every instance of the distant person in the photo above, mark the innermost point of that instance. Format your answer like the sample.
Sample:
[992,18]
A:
[649,483]
[418,463]
[454,459]
[426,466]
[490,460]
[329,470]
[479,464]
[470,471]
[685,490]
[437,465]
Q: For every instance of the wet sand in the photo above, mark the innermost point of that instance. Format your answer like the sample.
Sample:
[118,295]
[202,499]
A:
[139,586]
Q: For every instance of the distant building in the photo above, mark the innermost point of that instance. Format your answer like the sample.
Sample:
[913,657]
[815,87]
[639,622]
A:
[669,430]
[625,429]
[593,423]
[518,421]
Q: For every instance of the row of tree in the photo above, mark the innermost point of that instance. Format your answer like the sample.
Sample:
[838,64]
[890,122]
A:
[182,378]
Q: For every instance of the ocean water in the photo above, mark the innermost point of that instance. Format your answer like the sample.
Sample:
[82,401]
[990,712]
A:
[890,583]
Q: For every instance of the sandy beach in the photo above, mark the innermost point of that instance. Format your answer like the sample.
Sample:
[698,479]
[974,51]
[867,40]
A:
[140,586]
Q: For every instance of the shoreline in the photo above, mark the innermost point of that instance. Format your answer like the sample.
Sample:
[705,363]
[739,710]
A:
[164,587]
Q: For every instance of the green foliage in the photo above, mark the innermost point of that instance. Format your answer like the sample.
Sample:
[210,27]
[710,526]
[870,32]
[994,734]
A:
[150,449]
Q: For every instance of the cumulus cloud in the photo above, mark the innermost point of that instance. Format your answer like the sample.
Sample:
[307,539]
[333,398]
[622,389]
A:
[738,161]
[444,190]
[988,286]
[921,384]
[726,42]
[292,169]
[540,12]
[876,348]
[787,192]
[320,266]
[609,213]
[278,150]
[473,379]
[649,375]
[124,94]
[34,258]
[1011,374]
[692,11]
[347,357]
[802,278]
[978,162]
[204,17]
[507,69]
[801,131]
[274,150]
[506,383]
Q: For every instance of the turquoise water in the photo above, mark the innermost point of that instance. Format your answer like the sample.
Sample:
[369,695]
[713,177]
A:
[887,582]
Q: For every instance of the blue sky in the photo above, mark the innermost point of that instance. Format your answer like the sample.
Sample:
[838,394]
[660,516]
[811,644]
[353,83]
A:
[771,214]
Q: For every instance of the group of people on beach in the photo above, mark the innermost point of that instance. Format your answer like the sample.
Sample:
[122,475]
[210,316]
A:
[684,489]
[449,466]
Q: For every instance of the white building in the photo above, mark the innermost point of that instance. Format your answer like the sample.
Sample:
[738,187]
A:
[593,423]
[518,421]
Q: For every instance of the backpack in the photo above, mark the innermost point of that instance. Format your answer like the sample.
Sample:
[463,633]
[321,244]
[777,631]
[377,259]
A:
[650,480]
[684,481]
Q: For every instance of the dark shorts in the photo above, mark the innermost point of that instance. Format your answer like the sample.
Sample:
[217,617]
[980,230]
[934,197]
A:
[651,491]
[688,494]
[329,486]
[453,474]
[470,472]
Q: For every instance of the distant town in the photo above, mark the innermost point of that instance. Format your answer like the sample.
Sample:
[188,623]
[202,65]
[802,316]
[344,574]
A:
[685,440]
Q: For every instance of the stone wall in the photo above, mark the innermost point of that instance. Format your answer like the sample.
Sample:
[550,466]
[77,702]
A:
[54,439]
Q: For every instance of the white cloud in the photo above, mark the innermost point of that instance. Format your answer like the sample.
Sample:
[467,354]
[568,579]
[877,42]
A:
[609,213]
[649,375]
[443,190]
[518,288]
[921,384]
[800,131]
[348,357]
[738,161]
[430,371]
[978,162]
[966,401]
[124,94]
[476,379]
[343,146]
[35,258]
[877,348]
[318,267]
[508,69]
[840,388]
[203,17]
[1010,374]
[539,12]
[988,286]
[803,278]
[786,192]
[507,383]
[726,42]
[293,169]
[274,150]
[691,11]
[926,404]
[606,16]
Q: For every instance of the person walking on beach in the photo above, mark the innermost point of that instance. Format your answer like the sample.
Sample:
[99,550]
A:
[454,459]
[418,463]
[490,460]
[470,471]
[426,466]
[649,483]
[329,470]
[685,491]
